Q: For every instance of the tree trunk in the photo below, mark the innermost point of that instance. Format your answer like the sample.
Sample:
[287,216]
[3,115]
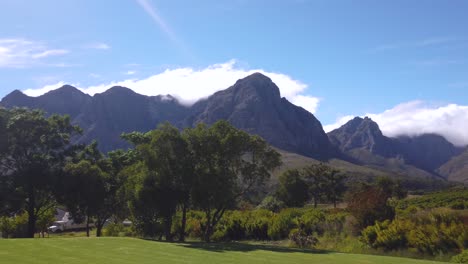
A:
[315,202]
[167,228]
[98,230]
[207,235]
[87,225]
[100,221]
[184,222]
[32,218]
[207,231]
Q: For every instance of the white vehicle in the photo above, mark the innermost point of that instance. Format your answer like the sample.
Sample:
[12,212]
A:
[65,224]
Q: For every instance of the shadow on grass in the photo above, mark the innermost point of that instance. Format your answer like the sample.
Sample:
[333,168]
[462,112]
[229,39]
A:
[243,247]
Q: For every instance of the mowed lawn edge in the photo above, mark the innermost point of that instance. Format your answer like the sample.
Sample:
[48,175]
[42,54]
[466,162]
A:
[133,250]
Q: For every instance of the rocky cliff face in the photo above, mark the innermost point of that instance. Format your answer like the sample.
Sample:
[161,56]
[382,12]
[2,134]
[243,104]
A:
[364,134]
[252,104]
[362,140]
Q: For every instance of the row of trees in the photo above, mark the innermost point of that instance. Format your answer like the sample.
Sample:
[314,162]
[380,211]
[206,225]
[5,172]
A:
[318,182]
[210,169]
[205,168]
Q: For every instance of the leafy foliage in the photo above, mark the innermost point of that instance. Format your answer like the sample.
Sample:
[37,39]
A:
[429,232]
[34,149]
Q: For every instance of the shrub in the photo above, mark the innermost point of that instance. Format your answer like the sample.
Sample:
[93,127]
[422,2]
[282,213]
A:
[312,221]
[281,223]
[271,203]
[14,227]
[460,258]
[117,230]
[433,232]
[301,239]
[257,224]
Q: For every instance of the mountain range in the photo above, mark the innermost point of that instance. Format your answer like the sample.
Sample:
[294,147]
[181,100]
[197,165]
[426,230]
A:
[254,104]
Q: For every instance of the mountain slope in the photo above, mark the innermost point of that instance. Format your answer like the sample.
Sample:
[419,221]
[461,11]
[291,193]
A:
[252,104]
[456,169]
[362,142]
[64,100]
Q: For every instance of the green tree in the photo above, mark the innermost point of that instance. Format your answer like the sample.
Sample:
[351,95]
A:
[228,164]
[292,189]
[324,182]
[84,190]
[165,153]
[32,154]
[314,176]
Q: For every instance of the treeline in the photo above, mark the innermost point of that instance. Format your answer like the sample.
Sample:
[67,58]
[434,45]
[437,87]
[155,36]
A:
[205,168]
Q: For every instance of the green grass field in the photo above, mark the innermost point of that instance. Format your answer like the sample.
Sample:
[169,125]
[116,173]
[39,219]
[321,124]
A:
[131,250]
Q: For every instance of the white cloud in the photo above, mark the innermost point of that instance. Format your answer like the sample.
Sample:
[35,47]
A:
[48,53]
[190,85]
[130,72]
[416,118]
[20,53]
[43,90]
[99,46]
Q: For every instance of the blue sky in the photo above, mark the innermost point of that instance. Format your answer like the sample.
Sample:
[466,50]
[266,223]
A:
[353,57]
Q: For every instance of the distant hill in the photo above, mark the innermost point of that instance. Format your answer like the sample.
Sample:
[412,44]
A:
[254,104]
[361,141]
[456,169]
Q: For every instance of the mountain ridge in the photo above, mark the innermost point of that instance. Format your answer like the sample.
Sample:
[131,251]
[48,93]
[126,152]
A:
[253,104]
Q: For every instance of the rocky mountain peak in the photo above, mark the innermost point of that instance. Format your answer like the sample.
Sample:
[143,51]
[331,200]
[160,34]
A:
[13,97]
[257,85]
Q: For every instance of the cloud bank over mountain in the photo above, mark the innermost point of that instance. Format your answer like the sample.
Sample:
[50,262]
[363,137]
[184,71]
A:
[189,85]
[417,117]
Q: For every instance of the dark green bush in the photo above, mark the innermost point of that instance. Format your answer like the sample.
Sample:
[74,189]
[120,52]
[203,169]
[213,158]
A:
[14,227]
[117,230]
[460,258]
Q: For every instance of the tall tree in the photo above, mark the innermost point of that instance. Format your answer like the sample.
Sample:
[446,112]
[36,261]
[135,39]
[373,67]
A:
[228,163]
[104,174]
[324,182]
[166,155]
[32,154]
[314,175]
[84,190]
[292,190]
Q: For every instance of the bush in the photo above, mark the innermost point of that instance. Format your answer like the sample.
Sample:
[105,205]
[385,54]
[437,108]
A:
[282,223]
[301,239]
[312,221]
[433,232]
[14,227]
[460,258]
[117,230]
[271,203]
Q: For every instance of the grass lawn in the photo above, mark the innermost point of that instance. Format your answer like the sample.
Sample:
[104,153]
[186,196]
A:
[131,250]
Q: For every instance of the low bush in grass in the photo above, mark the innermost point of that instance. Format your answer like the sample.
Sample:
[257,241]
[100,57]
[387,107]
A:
[15,226]
[430,232]
[263,224]
[460,258]
[118,230]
